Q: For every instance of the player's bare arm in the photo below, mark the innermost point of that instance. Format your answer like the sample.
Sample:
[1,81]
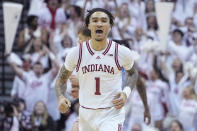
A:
[134,79]
[142,92]
[61,86]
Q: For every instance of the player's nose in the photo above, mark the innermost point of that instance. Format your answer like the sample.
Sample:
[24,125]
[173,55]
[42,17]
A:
[99,24]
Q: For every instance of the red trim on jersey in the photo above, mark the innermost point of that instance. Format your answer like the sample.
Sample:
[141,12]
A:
[94,108]
[116,57]
[119,127]
[108,47]
[79,59]
[89,49]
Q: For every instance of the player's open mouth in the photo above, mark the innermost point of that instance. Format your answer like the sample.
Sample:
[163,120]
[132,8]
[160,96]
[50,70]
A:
[99,31]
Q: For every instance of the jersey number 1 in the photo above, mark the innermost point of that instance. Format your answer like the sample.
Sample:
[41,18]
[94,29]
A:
[97,86]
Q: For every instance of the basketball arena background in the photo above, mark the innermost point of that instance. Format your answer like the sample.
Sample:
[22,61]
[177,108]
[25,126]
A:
[167,63]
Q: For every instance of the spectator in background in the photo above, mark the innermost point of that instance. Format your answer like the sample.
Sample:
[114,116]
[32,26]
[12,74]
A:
[176,66]
[160,90]
[84,34]
[39,53]
[125,24]
[176,91]
[111,5]
[29,33]
[51,16]
[139,39]
[61,46]
[150,6]
[24,117]
[190,29]
[137,10]
[73,116]
[177,46]
[36,82]
[42,121]
[10,121]
[136,110]
[90,4]
[74,22]
[136,127]
[193,56]
[188,109]
[182,10]
[195,14]
[175,126]
[36,6]
[152,26]
[19,87]
[66,4]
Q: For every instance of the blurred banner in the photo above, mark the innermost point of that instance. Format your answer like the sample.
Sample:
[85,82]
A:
[11,15]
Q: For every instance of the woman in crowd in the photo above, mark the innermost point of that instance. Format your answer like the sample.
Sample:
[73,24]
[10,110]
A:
[42,121]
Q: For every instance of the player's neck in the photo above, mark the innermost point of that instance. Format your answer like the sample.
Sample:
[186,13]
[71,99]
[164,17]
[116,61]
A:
[98,45]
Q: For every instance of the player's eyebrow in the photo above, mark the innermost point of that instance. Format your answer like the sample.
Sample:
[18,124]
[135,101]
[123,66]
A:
[99,18]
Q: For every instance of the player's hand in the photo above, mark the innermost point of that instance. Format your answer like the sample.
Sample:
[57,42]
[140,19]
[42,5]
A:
[119,100]
[63,104]
[147,116]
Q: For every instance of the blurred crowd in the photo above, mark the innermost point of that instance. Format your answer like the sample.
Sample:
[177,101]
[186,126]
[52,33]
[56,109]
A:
[53,27]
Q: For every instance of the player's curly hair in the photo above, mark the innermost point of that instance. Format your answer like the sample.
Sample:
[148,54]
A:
[90,12]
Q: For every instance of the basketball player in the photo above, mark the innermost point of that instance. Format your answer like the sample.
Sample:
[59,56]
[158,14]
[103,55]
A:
[98,64]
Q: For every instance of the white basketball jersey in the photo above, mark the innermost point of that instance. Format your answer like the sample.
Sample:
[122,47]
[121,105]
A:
[99,73]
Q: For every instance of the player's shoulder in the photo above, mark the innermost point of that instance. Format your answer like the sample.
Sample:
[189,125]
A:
[121,47]
[125,52]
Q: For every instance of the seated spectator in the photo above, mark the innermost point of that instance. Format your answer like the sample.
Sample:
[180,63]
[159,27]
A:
[42,121]
[29,33]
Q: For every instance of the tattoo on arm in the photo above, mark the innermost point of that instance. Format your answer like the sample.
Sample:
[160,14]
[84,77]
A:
[132,77]
[61,82]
